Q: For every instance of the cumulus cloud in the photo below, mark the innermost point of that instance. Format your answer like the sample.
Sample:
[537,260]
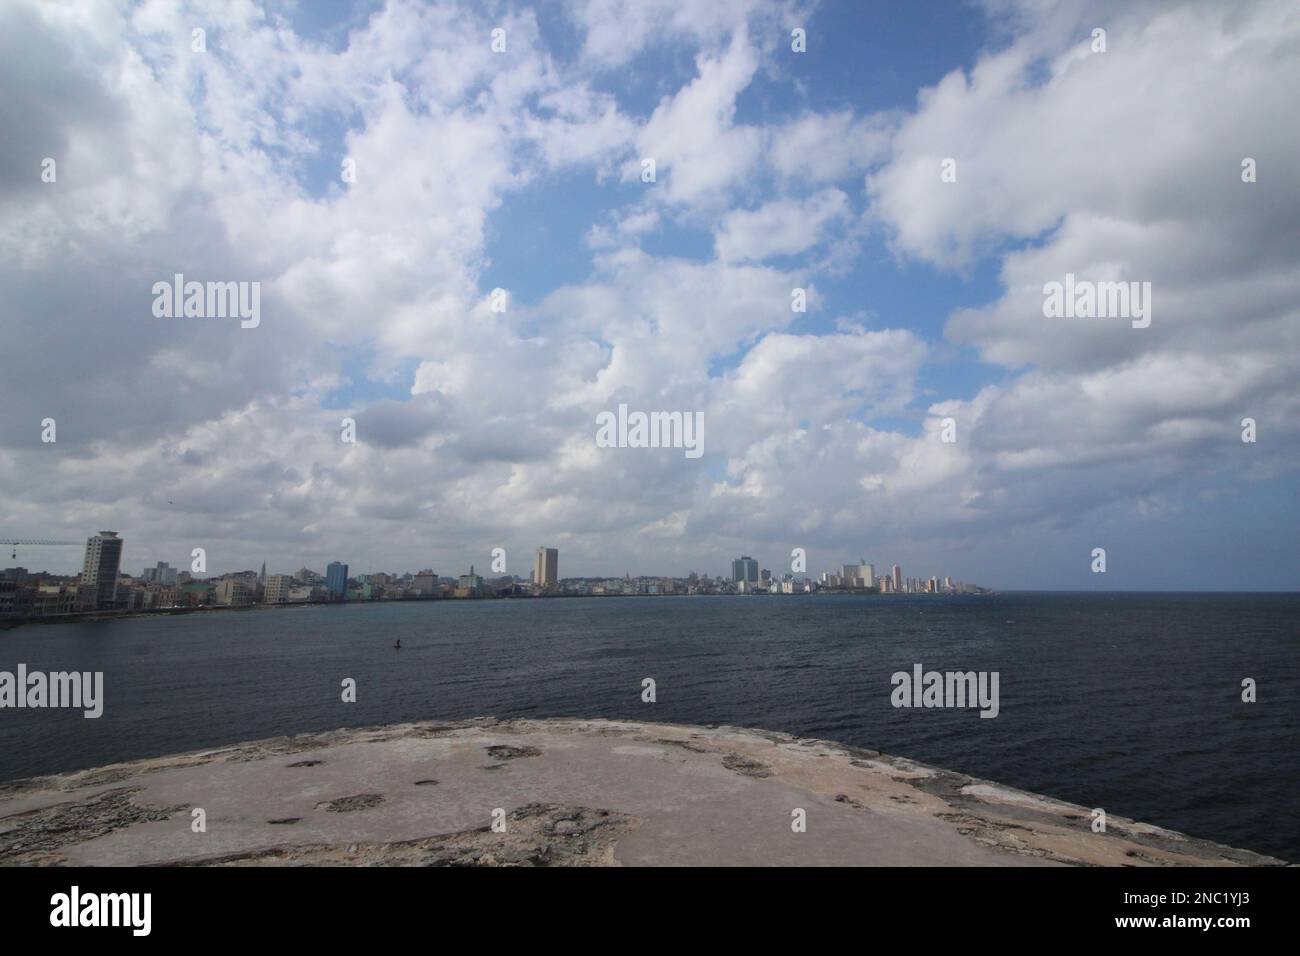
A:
[693,137]
[1117,166]
[475,427]
[783,227]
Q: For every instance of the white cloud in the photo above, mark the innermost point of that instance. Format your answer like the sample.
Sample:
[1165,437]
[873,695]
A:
[824,148]
[782,227]
[698,150]
[1124,165]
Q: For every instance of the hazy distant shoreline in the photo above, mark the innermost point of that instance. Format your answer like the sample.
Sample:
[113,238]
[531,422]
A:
[83,616]
[78,617]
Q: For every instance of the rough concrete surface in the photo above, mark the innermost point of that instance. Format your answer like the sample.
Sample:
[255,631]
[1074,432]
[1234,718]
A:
[569,793]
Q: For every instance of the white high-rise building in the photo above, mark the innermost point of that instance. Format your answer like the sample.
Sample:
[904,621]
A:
[546,570]
[860,575]
[100,569]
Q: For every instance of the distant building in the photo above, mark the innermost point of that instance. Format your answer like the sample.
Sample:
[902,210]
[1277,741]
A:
[898,578]
[546,569]
[744,569]
[163,574]
[156,596]
[336,580]
[425,582]
[195,594]
[277,588]
[469,585]
[235,592]
[101,566]
[860,575]
[54,599]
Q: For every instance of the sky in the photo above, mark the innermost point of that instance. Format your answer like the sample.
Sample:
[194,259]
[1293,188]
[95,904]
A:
[379,169]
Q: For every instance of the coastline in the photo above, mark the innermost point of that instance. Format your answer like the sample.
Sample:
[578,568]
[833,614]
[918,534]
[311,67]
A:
[567,792]
[79,617]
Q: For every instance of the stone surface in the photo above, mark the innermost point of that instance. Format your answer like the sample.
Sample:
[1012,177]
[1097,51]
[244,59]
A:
[562,793]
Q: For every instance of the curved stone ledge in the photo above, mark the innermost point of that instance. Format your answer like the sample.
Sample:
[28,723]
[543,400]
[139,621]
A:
[568,792]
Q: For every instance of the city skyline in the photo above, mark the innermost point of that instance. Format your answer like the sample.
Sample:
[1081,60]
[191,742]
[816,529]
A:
[103,586]
[455,563]
[546,561]
[868,309]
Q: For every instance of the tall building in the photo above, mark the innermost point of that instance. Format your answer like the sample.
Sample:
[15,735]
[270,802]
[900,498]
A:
[336,580]
[163,574]
[278,587]
[100,569]
[546,570]
[469,585]
[860,575]
[898,578]
[744,569]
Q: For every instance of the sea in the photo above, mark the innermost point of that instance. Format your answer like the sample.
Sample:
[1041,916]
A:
[1124,701]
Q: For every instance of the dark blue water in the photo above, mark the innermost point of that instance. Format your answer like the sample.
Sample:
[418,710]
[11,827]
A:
[1127,702]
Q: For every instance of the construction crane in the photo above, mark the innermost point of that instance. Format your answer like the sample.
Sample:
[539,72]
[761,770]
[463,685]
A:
[38,542]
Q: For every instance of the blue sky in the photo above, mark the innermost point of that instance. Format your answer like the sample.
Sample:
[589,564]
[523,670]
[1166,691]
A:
[520,170]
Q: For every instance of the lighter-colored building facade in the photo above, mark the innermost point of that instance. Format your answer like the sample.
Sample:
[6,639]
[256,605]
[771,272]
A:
[277,588]
[235,592]
[101,567]
[546,569]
